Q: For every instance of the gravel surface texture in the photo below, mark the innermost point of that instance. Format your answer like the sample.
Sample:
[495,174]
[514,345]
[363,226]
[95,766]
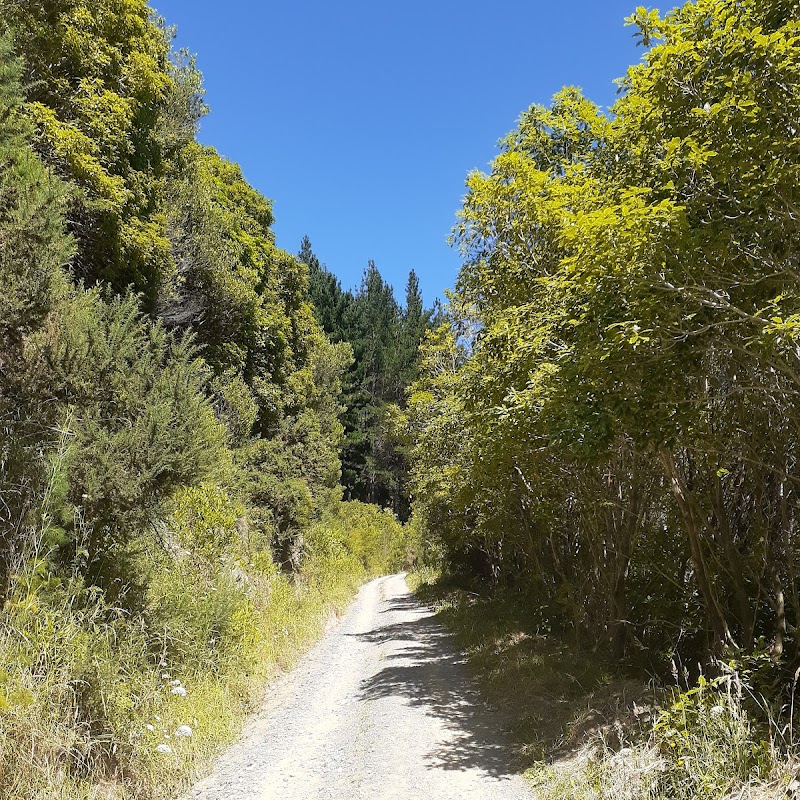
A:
[382,708]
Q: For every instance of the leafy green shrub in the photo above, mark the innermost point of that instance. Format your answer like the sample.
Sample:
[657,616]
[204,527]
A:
[424,551]
[72,676]
[703,746]
[371,534]
[709,743]
[203,518]
[236,405]
[88,691]
[192,613]
[143,425]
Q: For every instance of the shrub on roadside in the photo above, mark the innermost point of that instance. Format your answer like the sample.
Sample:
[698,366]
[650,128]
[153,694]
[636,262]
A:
[89,691]
[703,746]
[372,535]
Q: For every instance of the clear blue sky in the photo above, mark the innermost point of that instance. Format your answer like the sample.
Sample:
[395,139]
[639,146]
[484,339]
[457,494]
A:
[361,120]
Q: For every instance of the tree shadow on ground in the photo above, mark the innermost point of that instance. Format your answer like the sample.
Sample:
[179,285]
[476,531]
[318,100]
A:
[554,698]
[425,668]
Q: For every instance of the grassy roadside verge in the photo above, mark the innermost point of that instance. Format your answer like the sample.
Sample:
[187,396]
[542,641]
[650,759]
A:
[98,704]
[584,730]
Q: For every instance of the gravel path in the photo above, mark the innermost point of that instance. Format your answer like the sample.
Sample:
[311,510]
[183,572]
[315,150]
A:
[381,709]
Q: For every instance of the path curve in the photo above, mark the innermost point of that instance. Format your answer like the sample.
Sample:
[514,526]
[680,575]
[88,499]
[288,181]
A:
[383,708]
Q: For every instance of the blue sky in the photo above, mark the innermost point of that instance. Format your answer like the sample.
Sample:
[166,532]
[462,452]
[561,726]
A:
[361,120]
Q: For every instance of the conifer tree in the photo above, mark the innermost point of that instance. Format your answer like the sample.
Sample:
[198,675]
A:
[414,324]
[331,303]
[385,339]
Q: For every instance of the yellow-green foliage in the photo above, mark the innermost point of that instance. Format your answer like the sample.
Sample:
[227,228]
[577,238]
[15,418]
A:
[607,410]
[99,82]
[88,692]
[204,518]
[371,534]
[709,743]
[86,696]
[703,746]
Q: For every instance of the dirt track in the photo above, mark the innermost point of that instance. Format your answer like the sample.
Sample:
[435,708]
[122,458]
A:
[382,708]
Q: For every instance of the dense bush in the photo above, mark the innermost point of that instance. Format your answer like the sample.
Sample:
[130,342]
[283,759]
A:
[88,691]
[170,529]
[610,414]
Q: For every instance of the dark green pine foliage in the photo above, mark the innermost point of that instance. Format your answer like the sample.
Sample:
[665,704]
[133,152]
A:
[415,322]
[376,323]
[332,305]
[385,339]
[369,468]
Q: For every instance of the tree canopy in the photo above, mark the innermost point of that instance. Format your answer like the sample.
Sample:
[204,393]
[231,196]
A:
[610,409]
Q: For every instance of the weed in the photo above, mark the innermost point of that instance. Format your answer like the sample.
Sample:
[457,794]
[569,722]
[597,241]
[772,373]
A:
[97,701]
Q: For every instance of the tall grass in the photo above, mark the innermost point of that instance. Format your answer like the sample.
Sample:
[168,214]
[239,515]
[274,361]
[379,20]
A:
[703,745]
[97,701]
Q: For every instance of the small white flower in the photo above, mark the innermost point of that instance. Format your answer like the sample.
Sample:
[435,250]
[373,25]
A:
[184,730]
[164,749]
[165,676]
[717,711]
[180,691]
[175,682]
[158,719]
[149,727]
[707,108]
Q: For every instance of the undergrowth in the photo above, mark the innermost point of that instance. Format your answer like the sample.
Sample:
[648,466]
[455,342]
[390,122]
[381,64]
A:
[99,702]
[583,729]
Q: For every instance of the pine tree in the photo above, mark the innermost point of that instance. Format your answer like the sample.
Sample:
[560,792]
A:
[331,303]
[414,323]
[385,339]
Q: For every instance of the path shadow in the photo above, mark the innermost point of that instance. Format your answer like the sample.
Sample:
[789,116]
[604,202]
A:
[429,672]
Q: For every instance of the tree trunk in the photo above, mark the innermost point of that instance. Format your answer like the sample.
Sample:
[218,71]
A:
[691,519]
[735,567]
